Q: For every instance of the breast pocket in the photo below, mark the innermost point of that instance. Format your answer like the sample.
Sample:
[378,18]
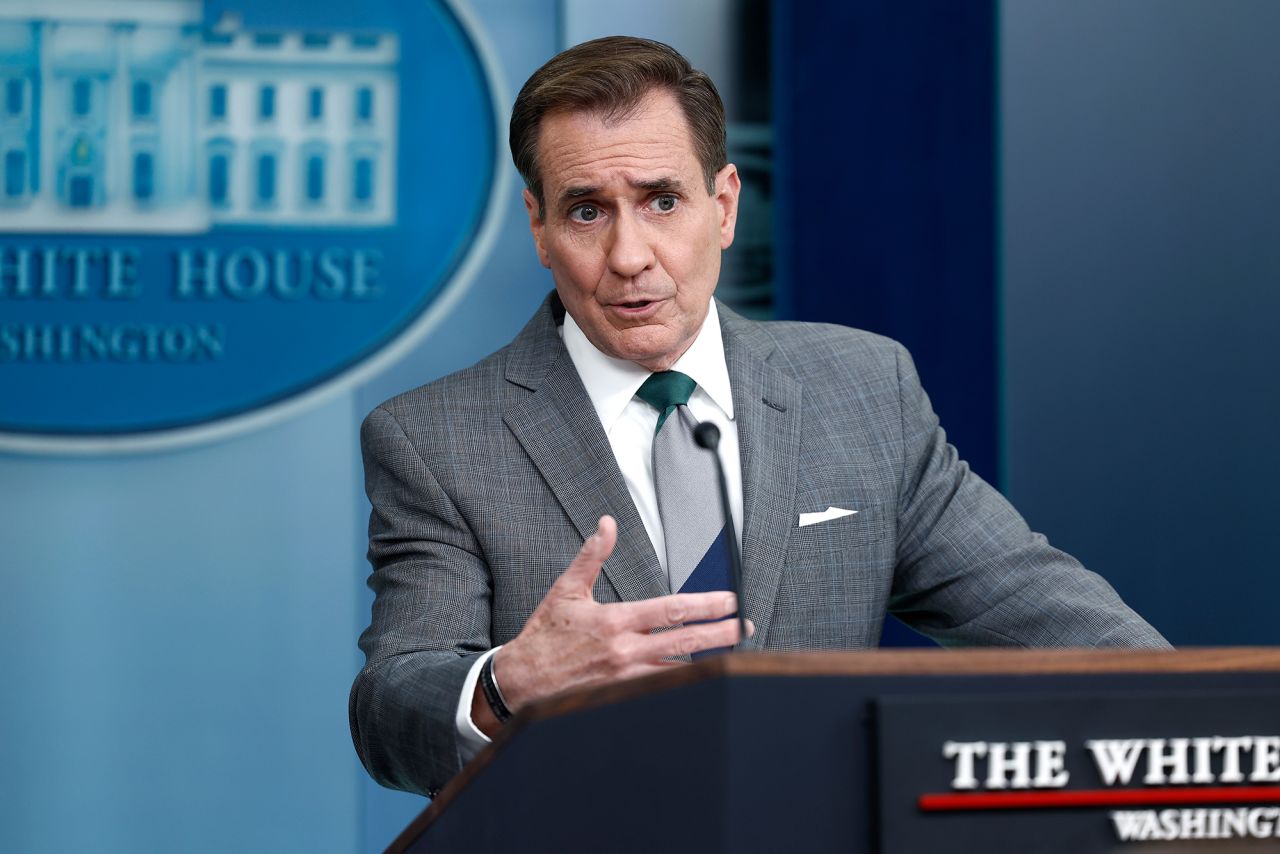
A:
[835,542]
[836,583]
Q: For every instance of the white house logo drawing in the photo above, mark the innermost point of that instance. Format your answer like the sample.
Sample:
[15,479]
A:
[132,116]
[214,213]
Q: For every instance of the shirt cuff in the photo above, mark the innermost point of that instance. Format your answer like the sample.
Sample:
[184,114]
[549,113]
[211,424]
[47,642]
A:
[470,739]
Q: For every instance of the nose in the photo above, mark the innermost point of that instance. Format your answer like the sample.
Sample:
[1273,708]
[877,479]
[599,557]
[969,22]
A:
[630,250]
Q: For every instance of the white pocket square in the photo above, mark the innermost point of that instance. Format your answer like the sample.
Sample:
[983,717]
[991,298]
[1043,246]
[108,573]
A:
[824,516]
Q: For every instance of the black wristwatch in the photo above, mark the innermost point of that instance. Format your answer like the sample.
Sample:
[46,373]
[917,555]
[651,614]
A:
[492,693]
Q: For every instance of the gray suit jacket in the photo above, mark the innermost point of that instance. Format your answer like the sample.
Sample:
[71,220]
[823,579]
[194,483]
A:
[484,485]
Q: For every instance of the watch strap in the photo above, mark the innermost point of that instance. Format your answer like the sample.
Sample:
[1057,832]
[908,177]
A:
[492,693]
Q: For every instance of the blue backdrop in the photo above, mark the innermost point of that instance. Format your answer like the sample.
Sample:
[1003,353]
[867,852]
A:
[1141,255]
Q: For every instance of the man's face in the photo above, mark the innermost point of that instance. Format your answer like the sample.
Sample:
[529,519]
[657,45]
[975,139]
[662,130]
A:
[630,233]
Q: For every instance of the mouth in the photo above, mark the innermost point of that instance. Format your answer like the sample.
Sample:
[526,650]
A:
[636,308]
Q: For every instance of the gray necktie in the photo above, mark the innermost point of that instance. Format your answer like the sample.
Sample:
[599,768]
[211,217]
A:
[685,479]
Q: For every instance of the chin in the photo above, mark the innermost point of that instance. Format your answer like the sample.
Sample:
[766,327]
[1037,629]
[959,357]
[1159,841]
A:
[653,360]
[646,350]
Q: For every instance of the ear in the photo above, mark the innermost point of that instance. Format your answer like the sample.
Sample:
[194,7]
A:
[728,187]
[537,225]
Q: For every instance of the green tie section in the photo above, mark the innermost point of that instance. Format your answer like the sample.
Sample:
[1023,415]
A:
[664,391]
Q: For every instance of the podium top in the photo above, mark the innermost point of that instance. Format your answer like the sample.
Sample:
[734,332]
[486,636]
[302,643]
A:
[986,661]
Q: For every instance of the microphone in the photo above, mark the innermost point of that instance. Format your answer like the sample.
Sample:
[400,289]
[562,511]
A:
[707,435]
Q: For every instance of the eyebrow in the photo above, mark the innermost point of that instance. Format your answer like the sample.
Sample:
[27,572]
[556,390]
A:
[653,185]
[659,185]
[579,192]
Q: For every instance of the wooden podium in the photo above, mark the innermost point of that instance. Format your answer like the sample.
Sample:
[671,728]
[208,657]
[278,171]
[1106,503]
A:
[879,751]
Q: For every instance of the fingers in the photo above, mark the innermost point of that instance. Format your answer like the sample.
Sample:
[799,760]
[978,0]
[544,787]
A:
[582,572]
[676,609]
[687,640]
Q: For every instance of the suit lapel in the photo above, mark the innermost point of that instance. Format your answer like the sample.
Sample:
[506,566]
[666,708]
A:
[767,409]
[559,429]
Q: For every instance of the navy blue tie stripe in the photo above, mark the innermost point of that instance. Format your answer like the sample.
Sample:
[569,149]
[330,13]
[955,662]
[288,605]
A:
[711,574]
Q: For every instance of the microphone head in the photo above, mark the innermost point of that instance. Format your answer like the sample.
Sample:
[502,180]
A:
[707,435]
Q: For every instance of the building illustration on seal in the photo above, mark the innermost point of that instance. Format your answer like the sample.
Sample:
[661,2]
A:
[133,116]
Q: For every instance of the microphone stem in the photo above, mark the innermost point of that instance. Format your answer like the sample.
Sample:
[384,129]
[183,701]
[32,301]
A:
[735,554]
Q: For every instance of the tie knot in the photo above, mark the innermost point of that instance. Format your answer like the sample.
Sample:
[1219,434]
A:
[666,390]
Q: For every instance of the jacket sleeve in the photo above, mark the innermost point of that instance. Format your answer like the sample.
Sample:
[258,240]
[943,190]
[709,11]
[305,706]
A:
[969,569]
[431,616]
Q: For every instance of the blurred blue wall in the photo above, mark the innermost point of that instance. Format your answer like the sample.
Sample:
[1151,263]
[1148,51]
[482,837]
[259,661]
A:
[175,632]
[1141,255]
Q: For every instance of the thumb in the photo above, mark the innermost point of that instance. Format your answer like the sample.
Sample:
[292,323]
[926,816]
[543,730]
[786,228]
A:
[582,572]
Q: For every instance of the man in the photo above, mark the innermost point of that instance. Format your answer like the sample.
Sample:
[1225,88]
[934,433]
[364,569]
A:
[536,521]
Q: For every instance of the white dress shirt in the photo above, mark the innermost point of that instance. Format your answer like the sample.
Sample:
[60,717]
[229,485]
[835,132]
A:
[630,423]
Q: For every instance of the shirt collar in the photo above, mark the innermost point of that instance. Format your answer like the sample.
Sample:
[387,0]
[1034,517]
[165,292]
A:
[611,383]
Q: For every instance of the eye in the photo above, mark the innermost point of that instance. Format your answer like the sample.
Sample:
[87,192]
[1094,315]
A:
[584,213]
[664,204]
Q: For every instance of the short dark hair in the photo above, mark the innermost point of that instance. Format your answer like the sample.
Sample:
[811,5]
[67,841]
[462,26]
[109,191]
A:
[610,76]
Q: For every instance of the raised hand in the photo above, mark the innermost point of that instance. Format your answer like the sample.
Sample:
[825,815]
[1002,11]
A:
[571,640]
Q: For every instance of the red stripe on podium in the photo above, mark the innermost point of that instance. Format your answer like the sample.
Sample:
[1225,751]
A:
[1097,798]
